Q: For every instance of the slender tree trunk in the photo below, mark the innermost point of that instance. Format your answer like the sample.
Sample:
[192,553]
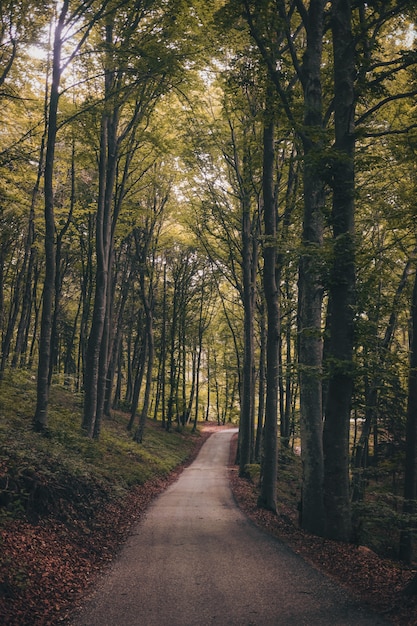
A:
[193,383]
[104,358]
[285,426]
[310,281]
[147,303]
[86,288]
[99,310]
[197,384]
[199,349]
[13,313]
[208,384]
[40,420]
[116,344]
[164,348]
[268,493]
[410,476]
[21,342]
[342,283]
[172,362]
[96,353]
[59,271]
[140,370]
[261,391]
[36,306]
[246,433]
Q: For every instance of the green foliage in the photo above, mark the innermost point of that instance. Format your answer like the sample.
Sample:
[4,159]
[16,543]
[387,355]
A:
[253,472]
[64,474]
[378,522]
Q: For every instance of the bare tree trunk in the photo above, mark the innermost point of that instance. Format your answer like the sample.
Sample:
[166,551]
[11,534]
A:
[246,433]
[96,356]
[160,394]
[261,385]
[147,303]
[140,370]
[410,476]
[100,296]
[342,283]
[117,341]
[268,493]
[310,281]
[40,420]
[146,292]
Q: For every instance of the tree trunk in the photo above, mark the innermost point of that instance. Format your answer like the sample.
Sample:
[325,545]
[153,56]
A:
[410,476]
[261,385]
[95,356]
[247,400]
[310,281]
[268,493]
[116,344]
[147,303]
[100,300]
[199,349]
[208,384]
[140,370]
[342,283]
[40,420]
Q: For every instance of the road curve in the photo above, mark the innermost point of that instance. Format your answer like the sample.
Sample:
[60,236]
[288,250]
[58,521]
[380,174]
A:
[196,560]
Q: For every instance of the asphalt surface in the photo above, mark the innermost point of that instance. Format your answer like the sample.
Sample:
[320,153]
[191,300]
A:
[196,560]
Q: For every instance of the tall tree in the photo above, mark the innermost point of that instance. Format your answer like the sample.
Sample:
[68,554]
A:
[311,133]
[41,413]
[66,21]
[410,478]
[140,65]
[268,493]
[342,281]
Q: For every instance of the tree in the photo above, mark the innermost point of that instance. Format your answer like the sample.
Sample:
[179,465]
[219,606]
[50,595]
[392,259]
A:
[341,308]
[268,493]
[40,419]
[139,67]
[66,20]
[311,133]
[410,479]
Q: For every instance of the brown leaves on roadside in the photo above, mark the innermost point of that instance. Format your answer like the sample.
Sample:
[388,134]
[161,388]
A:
[377,582]
[47,568]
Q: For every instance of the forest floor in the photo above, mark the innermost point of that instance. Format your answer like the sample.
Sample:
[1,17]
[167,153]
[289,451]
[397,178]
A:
[47,567]
[64,562]
[379,583]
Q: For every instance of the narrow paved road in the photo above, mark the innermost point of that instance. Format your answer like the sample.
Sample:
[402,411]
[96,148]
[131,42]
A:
[196,560]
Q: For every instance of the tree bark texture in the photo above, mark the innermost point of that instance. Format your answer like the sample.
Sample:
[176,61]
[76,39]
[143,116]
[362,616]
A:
[410,477]
[342,283]
[268,493]
[41,412]
[107,173]
[246,411]
[310,280]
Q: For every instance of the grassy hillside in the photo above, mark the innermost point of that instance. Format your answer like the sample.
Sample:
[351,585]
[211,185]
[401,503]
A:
[66,502]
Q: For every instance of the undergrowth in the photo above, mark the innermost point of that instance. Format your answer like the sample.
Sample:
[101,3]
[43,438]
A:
[66,502]
[64,473]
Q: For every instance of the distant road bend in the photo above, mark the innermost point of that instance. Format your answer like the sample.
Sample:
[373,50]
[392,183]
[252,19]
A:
[196,560]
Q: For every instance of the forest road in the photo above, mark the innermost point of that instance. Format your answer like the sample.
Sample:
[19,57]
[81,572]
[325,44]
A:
[196,560]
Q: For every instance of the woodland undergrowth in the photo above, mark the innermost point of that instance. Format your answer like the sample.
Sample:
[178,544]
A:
[66,502]
[370,578]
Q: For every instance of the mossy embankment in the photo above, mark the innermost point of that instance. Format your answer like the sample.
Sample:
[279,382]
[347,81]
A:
[67,502]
